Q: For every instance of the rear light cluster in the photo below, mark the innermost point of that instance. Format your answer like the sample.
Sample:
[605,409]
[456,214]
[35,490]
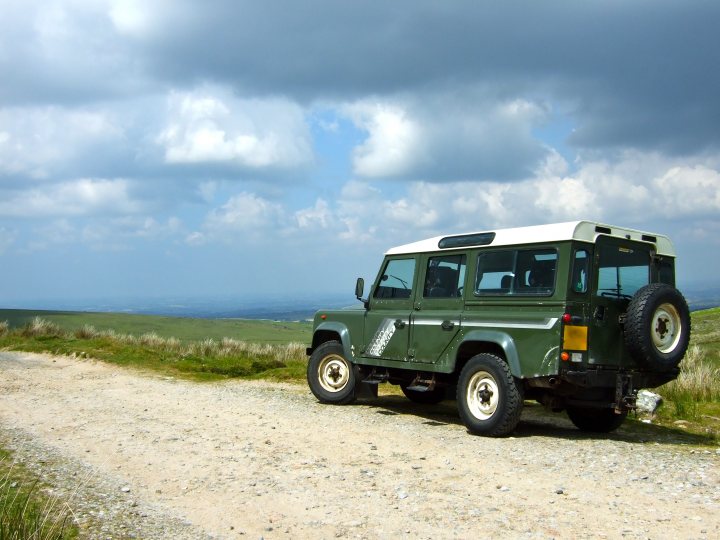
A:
[574,339]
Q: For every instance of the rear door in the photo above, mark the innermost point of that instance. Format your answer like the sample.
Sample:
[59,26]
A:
[621,268]
[435,320]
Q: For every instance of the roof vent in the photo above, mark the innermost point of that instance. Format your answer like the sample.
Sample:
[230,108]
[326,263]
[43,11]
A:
[603,230]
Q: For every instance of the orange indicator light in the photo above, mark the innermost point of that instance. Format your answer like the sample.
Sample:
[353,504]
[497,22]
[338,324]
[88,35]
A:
[564,356]
[323,316]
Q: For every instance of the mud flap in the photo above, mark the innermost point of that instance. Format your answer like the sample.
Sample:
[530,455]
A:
[367,391]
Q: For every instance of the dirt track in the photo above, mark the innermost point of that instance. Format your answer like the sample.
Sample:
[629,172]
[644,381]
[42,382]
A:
[151,457]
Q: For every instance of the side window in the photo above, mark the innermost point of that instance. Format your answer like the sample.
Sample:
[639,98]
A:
[397,279]
[581,268]
[444,276]
[622,270]
[528,272]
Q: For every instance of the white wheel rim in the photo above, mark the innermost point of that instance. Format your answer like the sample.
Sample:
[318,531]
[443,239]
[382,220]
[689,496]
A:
[666,328]
[483,395]
[333,373]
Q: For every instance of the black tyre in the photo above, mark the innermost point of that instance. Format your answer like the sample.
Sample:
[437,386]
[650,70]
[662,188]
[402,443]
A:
[595,420]
[657,326]
[330,375]
[429,397]
[489,398]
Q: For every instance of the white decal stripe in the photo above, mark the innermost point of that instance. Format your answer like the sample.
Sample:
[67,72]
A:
[431,322]
[547,325]
[381,338]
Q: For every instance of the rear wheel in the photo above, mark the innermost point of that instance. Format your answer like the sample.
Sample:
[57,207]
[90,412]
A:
[330,375]
[427,397]
[489,398]
[595,420]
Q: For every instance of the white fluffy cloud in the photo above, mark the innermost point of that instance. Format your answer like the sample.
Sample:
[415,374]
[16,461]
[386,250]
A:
[241,218]
[393,144]
[77,198]
[689,191]
[39,141]
[614,193]
[447,137]
[211,125]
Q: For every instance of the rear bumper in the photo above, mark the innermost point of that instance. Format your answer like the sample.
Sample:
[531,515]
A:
[607,378]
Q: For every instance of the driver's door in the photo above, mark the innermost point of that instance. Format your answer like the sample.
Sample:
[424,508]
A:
[387,323]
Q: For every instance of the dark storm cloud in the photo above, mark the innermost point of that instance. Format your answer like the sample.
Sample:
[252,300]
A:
[640,73]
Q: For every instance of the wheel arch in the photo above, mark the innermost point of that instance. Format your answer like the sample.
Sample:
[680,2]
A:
[487,341]
[333,331]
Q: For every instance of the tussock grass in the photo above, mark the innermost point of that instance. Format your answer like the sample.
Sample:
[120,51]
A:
[202,359]
[4,327]
[26,512]
[39,327]
[698,382]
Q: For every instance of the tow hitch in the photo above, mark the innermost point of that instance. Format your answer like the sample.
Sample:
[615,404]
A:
[625,394]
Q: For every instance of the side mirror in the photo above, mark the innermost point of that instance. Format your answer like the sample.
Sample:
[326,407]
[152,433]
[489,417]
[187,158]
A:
[359,288]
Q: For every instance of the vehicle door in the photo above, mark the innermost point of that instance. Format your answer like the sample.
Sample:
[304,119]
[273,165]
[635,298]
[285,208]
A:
[436,318]
[387,323]
[621,268]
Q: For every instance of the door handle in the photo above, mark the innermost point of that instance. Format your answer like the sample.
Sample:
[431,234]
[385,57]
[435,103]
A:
[447,325]
[399,324]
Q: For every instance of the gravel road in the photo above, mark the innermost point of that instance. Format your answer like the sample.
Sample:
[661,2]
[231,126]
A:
[143,456]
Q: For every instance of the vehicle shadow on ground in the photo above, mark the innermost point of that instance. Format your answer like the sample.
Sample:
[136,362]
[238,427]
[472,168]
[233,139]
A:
[537,422]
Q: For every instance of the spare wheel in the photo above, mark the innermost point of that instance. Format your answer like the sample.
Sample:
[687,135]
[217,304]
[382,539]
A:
[657,326]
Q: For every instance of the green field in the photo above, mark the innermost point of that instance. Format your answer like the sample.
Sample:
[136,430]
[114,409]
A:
[183,329]
[706,333]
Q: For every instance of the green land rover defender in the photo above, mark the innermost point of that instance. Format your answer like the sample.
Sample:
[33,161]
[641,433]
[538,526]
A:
[577,316]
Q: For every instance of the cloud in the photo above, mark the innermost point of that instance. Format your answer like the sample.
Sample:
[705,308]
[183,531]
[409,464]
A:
[210,125]
[392,146]
[76,198]
[447,136]
[689,191]
[41,141]
[242,218]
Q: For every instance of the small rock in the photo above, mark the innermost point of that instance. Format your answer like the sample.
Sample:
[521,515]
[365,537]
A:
[559,491]
[125,489]
[648,401]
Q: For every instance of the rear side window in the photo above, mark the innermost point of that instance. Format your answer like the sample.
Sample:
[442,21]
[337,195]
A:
[397,279]
[444,276]
[581,270]
[526,272]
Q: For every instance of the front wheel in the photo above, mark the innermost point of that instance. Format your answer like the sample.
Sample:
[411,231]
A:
[489,398]
[330,375]
[595,420]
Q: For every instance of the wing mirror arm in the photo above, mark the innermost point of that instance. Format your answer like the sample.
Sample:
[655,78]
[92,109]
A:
[359,288]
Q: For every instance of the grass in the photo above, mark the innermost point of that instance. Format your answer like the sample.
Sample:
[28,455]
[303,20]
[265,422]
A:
[181,328]
[206,359]
[26,511]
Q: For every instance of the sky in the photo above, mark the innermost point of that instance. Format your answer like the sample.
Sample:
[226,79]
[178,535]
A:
[232,147]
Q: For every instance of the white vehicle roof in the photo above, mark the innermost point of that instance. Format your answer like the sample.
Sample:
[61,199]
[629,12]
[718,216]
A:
[585,231]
